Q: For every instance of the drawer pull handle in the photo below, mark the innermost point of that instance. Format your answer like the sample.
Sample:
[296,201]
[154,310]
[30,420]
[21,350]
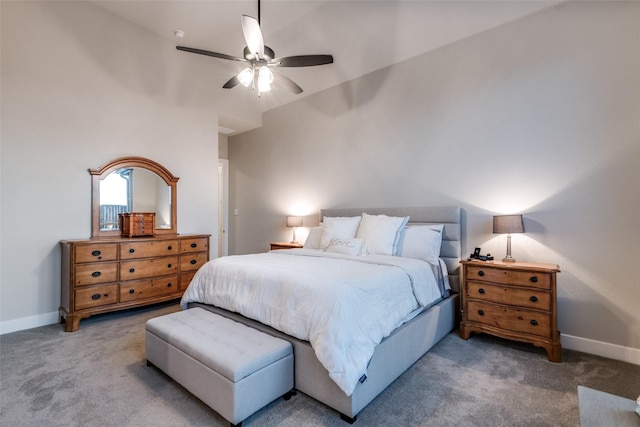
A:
[96,274]
[169,285]
[193,261]
[534,322]
[168,265]
[131,291]
[480,273]
[131,250]
[533,279]
[131,270]
[481,312]
[194,245]
[96,253]
[95,297]
[481,291]
[169,247]
[533,299]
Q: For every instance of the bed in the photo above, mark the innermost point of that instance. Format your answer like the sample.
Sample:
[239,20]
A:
[414,331]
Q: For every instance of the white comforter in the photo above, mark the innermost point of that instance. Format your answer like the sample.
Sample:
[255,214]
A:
[343,305]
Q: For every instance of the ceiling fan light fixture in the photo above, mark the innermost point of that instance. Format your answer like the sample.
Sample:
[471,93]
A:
[246,76]
[258,57]
[265,78]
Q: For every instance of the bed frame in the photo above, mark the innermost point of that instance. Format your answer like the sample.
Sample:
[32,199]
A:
[415,337]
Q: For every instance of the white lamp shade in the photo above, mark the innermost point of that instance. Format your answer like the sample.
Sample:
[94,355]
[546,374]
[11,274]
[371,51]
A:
[246,76]
[294,221]
[507,224]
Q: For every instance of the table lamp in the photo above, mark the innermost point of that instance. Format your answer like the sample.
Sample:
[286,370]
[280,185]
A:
[507,224]
[294,221]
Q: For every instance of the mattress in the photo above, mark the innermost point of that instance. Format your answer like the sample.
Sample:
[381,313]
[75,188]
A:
[343,305]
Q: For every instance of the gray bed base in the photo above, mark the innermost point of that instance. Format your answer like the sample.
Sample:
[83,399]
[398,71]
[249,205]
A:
[415,337]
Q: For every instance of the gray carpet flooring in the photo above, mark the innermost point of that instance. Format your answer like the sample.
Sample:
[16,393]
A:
[97,376]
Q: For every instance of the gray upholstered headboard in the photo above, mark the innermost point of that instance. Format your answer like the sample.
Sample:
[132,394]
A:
[451,249]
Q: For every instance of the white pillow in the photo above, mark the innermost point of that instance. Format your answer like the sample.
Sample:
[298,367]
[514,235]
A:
[345,246]
[338,227]
[313,239]
[422,242]
[381,233]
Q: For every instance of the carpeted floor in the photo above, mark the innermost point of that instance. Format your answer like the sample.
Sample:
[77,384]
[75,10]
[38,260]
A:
[97,376]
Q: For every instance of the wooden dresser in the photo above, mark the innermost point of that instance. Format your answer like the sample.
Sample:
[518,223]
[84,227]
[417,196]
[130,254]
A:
[109,274]
[512,300]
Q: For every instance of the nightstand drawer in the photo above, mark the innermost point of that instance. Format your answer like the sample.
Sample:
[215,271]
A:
[532,279]
[526,298]
[510,318]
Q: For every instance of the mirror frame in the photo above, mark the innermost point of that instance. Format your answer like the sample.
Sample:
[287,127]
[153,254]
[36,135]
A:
[101,172]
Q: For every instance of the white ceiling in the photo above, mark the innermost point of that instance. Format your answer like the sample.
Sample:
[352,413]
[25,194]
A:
[362,35]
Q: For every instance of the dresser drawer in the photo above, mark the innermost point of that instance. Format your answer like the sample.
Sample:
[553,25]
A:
[196,244]
[532,279]
[139,269]
[510,318]
[96,296]
[185,279]
[140,289]
[193,261]
[96,252]
[99,272]
[527,298]
[147,249]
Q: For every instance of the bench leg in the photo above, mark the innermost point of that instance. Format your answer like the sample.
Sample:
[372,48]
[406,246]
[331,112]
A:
[348,419]
[288,394]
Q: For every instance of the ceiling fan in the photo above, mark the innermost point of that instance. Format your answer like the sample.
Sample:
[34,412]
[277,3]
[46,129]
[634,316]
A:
[260,60]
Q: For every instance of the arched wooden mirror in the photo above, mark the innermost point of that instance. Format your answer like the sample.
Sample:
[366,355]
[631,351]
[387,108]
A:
[132,184]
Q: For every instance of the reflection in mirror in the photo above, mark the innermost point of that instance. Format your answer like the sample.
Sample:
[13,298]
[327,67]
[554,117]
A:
[134,190]
[132,184]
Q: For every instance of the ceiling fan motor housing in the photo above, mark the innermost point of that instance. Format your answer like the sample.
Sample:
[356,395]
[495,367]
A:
[250,56]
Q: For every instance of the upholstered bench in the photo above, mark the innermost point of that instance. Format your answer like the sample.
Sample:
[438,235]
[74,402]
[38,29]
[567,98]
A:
[233,368]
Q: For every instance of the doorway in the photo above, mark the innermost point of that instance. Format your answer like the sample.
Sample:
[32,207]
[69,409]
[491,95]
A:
[223,207]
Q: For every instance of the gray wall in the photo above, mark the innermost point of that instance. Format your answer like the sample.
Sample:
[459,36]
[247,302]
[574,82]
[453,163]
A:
[81,87]
[539,116]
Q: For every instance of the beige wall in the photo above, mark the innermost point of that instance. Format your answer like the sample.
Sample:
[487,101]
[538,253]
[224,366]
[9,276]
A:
[539,116]
[223,146]
[81,87]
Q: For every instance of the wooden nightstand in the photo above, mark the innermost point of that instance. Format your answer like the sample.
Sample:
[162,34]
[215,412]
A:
[511,300]
[285,245]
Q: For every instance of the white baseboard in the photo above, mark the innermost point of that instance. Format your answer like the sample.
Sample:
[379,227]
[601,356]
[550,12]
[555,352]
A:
[23,323]
[600,348]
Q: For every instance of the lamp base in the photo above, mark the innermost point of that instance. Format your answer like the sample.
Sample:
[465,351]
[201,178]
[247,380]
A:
[509,259]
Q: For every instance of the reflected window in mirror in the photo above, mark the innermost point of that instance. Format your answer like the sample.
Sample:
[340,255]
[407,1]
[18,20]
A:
[115,197]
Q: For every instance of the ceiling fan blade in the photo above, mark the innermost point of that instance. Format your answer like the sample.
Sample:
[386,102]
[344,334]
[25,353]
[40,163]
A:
[209,53]
[302,61]
[253,35]
[288,83]
[233,82]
